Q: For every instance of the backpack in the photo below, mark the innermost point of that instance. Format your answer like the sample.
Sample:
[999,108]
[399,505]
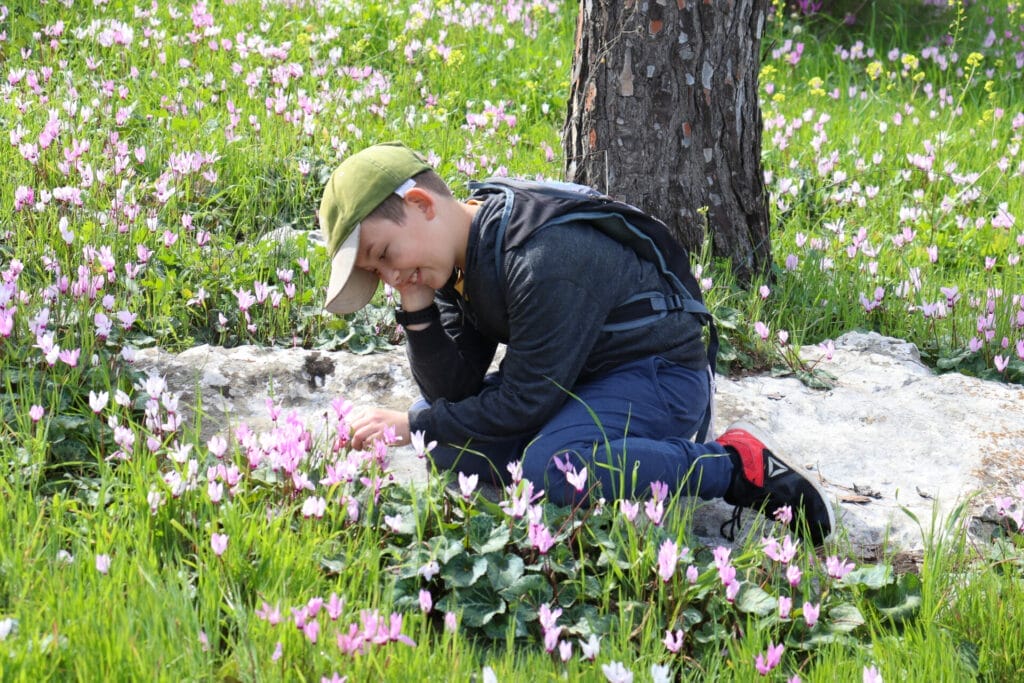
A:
[553,203]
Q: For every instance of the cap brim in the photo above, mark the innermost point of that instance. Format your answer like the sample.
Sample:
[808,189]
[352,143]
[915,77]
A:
[350,288]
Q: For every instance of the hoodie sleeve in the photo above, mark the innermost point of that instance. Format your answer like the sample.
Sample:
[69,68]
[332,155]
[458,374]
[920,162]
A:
[449,358]
[558,294]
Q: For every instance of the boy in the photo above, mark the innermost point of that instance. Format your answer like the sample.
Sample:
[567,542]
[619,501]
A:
[574,390]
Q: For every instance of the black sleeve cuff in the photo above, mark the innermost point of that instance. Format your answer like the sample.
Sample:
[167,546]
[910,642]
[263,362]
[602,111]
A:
[424,315]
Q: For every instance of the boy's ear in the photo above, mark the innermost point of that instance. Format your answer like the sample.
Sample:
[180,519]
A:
[421,200]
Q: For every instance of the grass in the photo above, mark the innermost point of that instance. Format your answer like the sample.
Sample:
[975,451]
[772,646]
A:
[157,154]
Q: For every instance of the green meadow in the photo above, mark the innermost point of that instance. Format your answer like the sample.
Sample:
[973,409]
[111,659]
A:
[161,171]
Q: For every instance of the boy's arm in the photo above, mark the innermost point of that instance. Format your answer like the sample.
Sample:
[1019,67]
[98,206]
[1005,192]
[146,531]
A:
[449,357]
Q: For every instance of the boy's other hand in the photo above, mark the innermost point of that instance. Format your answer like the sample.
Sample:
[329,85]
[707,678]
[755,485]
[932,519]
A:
[371,423]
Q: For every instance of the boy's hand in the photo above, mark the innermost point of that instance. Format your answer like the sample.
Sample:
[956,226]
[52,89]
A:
[371,423]
[416,297]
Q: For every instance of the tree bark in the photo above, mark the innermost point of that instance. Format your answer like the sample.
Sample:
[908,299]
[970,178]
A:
[664,114]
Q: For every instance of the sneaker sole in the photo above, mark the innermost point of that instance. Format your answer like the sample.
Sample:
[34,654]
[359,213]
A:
[772,446]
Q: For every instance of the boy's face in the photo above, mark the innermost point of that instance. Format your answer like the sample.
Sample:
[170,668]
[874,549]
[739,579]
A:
[413,253]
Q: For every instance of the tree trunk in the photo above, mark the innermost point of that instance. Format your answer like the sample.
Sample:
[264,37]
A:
[664,114]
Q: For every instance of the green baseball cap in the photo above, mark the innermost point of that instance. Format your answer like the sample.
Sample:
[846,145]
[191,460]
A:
[355,189]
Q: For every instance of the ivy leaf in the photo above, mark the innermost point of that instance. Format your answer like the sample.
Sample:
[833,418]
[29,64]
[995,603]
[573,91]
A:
[463,570]
[845,618]
[335,564]
[874,577]
[504,571]
[484,537]
[752,599]
[443,548]
[479,604]
[562,562]
[498,627]
[532,589]
[900,601]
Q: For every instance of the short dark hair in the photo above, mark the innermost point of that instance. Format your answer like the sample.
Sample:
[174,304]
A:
[393,208]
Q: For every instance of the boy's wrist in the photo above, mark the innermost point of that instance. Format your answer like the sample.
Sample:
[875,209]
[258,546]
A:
[417,320]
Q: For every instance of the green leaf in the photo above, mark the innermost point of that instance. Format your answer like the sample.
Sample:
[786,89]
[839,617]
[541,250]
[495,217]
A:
[479,604]
[405,516]
[900,601]
[752,599]
[498,628]
[443,548]
[504,571]
[336,563]
[532,589]
[817,379]
[845,618]
[484,537]
[562,562]
[873,577]
[951,359]
[463,570]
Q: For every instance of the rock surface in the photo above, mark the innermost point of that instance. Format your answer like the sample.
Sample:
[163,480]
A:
[890,442]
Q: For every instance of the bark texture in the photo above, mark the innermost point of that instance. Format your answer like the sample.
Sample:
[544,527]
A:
[664,114]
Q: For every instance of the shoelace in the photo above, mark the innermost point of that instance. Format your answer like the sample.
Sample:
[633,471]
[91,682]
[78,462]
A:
[732,525]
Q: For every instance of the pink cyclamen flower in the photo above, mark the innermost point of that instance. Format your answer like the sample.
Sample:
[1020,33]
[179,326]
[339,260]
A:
[811,612]
[784,514]
[793,575]
[768,661]
[548,617]
[467,484]
[36,412]
[692,573]
[272,615]
[590,648]
[219,543]
[335,606]
[451,622]
[837,568]
[616,672]
[629,509]
[426,601]
[314,506]
[655,511]
[98,401]
[668,558]
[565,650]
[578,480]
[70,356]
[872,675]
[103,563]
[783,553]
[762,330]
[540,537]
[785,605]
[419,445]
[673,641]
[551,638]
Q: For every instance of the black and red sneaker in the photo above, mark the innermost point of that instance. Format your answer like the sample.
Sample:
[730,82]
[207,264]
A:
[763,479]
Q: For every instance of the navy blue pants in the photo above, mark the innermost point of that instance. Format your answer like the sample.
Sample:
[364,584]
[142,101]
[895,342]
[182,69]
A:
[629,428]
